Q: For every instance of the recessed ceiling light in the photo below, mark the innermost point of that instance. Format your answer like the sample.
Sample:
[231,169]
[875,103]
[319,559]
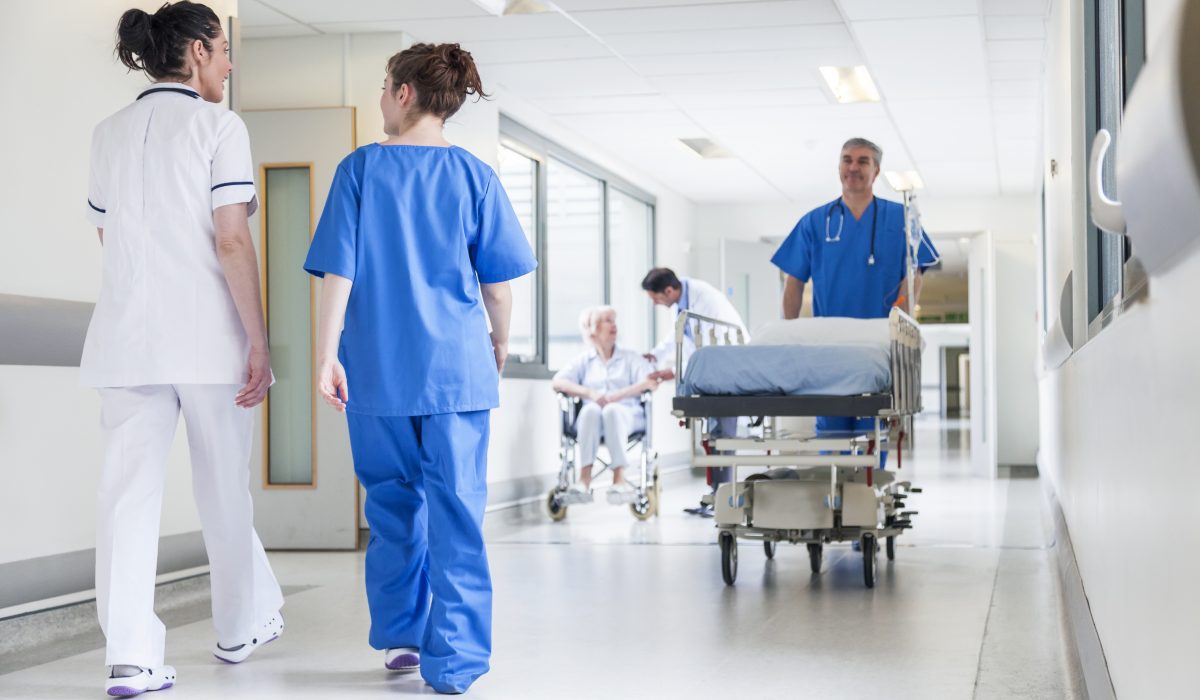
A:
[850,83]
[705,148]
[904,180]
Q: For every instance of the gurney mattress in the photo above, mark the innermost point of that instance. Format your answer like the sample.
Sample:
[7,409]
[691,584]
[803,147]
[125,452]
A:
[788,370]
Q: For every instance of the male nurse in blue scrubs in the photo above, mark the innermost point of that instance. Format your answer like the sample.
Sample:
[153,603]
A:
[853,251]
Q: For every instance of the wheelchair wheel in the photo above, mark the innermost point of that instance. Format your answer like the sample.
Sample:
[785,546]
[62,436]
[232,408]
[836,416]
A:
[646,506]
[728,557]
[557,510]
[890,545]
[769,548]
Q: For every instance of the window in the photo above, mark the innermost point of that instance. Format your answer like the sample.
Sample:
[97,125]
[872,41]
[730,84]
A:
[594,236]
[574,256]
[1115,46]
[519,175]
[631,222]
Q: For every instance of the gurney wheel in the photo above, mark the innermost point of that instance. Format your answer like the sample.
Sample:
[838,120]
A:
[868,552]
[769,548]
[557,510]
[890,545]
[728,557]
[815,553]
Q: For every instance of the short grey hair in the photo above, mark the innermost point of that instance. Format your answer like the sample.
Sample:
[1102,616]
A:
[590,318]
[858,142]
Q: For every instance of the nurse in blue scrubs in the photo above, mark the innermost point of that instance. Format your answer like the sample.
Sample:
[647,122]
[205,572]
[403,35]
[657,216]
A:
[416,246]
[853,252]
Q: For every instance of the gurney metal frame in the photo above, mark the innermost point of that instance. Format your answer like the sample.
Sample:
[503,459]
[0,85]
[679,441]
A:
[838,491]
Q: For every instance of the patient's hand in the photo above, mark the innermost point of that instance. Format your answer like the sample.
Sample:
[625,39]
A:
[600,398]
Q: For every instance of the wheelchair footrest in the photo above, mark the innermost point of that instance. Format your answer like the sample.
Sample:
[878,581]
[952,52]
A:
[575,498]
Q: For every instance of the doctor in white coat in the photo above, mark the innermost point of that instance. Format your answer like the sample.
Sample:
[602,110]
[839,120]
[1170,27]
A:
[667,289]
[178,328]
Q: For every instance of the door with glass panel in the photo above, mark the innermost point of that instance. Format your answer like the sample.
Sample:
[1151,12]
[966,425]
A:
[301,473]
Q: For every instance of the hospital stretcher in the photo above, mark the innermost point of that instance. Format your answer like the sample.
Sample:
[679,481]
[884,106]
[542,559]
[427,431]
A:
[817,490]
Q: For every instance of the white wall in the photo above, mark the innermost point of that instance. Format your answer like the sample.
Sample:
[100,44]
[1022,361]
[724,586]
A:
[1116,420]
[49,427]
[277,73]
[936,337]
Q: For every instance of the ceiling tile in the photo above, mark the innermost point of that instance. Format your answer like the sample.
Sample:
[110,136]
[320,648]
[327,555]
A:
[960,177]
[937,130]
[745,62]
[253,13]
[734,99]
[688,18]
[466,29]
[579,78]
[572,5]
[857,10]
[908,58]
[791,80]
[1015,27]
[276,31]
[323,11]
[1016,50]
[1017,88]
[535,50]
[1015,70]
[1016,7]
[762,39]
[607,104]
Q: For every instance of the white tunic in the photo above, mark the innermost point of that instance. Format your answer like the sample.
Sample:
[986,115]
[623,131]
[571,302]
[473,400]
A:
[701,298]
[165,315]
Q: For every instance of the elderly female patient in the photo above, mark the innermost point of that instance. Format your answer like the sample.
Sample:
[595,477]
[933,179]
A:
[610,380]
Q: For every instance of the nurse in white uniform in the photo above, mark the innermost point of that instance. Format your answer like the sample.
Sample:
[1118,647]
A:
[178,328]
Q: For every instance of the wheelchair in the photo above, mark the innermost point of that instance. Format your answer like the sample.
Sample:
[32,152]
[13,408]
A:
[643,475]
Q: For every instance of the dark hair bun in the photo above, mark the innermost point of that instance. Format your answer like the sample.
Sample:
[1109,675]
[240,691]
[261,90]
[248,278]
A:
[443,75]
[135,38]
[158,43]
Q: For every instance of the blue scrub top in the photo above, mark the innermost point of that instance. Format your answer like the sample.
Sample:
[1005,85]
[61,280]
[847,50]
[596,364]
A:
[417,229]
[844,284]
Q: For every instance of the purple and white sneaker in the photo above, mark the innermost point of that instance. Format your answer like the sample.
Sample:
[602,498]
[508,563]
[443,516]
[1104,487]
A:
[235,654]
[140,681]
[403,659]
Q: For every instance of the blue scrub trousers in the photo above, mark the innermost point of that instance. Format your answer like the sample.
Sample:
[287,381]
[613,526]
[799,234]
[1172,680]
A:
[845,424]
[428,584]
[722,428]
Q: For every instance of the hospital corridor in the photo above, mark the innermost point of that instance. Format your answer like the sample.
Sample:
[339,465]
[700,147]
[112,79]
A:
[585,349]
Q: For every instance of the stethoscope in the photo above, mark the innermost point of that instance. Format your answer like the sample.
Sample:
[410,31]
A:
[842,222]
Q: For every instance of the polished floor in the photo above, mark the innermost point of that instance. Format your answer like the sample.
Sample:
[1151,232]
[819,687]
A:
[601,606]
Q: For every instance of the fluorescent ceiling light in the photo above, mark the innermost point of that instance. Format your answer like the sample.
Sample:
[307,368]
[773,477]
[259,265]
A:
[904,180]
[513,7]
[705,148]
[850,83]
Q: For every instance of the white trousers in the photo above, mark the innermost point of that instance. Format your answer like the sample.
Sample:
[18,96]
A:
[614,423]
[138,424]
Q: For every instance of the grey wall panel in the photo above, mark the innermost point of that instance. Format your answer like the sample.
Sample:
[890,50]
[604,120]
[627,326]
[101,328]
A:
[47,577]
[38,331]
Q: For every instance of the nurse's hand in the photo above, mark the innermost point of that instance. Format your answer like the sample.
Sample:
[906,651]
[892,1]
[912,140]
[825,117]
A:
[331,383]
[501,350]
[256,387]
